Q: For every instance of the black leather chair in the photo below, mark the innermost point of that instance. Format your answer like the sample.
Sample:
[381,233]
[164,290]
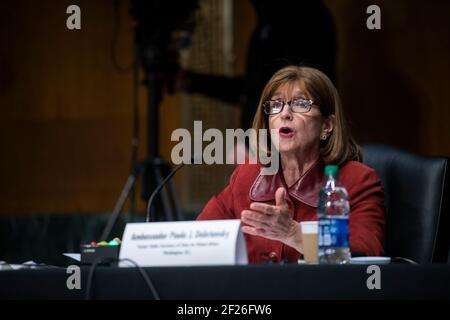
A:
[417,202]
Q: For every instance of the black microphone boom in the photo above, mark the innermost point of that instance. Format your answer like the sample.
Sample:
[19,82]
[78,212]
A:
[153,195]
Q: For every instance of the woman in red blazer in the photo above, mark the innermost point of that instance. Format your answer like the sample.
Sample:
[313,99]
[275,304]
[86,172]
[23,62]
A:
[304,108]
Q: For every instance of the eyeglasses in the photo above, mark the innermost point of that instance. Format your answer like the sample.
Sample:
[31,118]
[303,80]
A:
[297,105]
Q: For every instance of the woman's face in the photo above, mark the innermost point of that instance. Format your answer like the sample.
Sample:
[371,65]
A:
[298,132]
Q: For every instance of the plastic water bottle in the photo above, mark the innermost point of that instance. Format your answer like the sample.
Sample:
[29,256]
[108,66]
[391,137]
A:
[332,212]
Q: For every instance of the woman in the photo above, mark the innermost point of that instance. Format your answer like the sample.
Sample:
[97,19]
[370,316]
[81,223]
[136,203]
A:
[302,104]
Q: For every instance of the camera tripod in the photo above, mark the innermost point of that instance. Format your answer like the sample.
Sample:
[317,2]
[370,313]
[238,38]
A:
[158,169]
[154,53]
[152,170]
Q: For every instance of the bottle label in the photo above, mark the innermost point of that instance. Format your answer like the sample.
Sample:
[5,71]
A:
[333,232]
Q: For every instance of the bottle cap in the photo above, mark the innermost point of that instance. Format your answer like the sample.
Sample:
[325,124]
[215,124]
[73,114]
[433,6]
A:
[331,169]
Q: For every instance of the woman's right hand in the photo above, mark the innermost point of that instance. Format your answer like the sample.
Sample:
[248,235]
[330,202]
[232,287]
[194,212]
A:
[273,221]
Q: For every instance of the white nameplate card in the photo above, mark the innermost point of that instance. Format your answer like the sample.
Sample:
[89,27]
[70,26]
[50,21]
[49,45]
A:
[184,243]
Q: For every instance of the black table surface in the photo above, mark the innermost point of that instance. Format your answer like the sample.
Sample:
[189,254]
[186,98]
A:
[254,282]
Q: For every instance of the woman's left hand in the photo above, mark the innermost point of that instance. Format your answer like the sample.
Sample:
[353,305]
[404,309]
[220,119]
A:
[273,221]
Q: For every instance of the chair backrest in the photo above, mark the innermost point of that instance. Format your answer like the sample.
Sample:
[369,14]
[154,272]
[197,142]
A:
[417,202]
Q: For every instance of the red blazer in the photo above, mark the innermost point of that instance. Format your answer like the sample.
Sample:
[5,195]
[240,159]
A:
[366,221]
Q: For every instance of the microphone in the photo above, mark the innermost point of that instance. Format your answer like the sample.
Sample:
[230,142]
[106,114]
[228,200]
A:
[161,185]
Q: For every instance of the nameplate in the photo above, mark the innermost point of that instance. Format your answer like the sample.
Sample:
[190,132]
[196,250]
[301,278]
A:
[184,243]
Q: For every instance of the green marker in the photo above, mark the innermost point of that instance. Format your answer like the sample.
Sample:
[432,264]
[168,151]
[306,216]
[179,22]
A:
[113,243]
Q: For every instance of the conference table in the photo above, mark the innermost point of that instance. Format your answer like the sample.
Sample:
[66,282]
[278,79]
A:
[247,282]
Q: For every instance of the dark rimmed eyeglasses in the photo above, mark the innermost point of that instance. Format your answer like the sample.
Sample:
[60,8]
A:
[299,105]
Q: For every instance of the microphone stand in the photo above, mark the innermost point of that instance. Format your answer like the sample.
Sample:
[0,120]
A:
[149,215]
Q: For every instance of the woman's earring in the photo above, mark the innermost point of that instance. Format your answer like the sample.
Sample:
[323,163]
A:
[323,137]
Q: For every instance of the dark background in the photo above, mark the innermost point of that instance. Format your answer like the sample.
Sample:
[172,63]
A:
[66,115]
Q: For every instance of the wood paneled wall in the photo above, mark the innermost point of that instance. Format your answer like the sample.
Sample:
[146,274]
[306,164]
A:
[395,81]
[66,113]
